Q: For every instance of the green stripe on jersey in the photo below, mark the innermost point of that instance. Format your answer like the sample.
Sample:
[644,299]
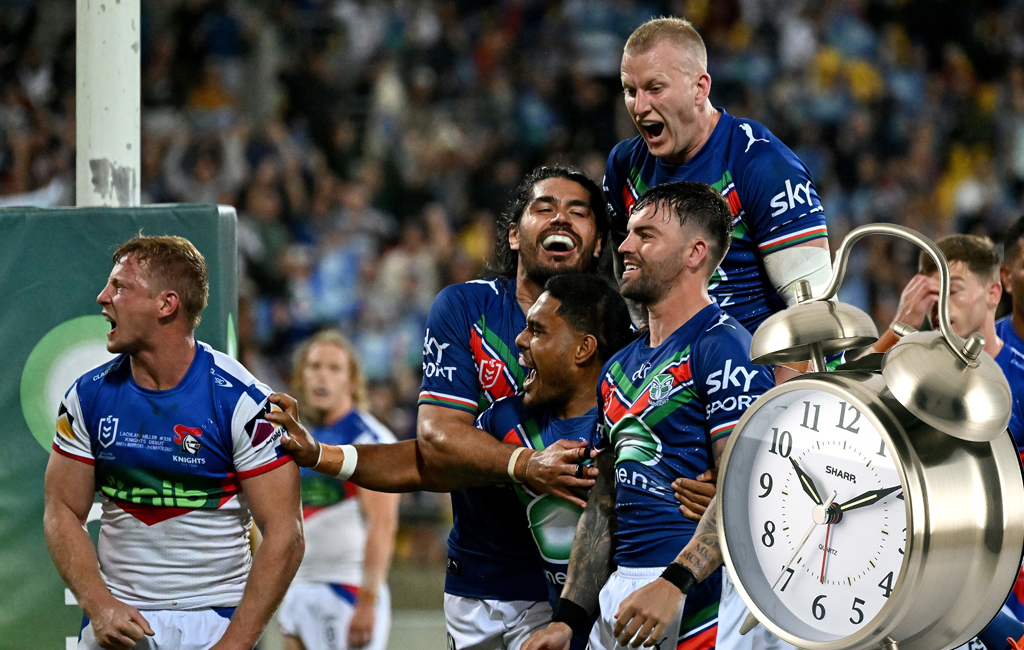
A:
[623,383]
[511,360]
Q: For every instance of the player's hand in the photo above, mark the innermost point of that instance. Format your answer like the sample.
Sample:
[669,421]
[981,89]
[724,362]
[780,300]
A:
[296,440]
[647,612]
[918,300]
[118,625]
[555,636]
[360,630]
[694,496]
[556,470]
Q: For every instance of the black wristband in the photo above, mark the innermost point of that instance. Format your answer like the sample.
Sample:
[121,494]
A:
[572,615]
[680,576]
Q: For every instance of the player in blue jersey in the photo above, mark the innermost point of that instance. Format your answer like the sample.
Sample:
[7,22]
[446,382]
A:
[669,401]
[339,598]
[778,230]
[556,223]
[974,294]
[571,331]
[173,436]
[1011,328]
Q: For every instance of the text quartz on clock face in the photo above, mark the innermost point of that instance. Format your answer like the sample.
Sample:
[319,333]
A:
[845,571]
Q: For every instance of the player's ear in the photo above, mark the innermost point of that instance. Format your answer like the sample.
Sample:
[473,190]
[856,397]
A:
[703,88]
[586,348]
[169,301]
[698,253]
[513,237]
[995,293]
[1005,279]
[599,246]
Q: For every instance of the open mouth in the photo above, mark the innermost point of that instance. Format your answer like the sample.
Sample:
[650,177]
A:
[113,324]
[651,129]
[559,243]
[532,375]
[628,266]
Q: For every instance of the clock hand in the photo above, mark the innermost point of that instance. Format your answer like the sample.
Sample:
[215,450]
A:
[820,512]
[824,555]
[806,482]
[868,498]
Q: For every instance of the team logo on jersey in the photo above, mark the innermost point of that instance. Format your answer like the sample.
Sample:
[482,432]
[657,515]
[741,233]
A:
[108,430]
[188,438]
[65,423]
[258,429]
[660,387]
[635,441]
[490,371]
[220,381]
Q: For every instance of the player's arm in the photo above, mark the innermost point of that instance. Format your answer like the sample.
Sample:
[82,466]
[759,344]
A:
[381,513]
[645,613]
[590,561]
[69,489]
[462,456]
[273,499]
[917,302]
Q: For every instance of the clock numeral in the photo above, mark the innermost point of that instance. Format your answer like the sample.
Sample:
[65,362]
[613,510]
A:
[768,539]
[860,614]
[788,578]
[886,584]
[842,418]
[881,449]
[904,540]
[817,609]
[766,485]
[782,444]
[807,413]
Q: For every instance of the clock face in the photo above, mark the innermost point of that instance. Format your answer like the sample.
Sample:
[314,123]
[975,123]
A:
[815,517]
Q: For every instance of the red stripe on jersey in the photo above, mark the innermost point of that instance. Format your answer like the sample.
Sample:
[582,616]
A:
[82,459]
[150,515]
[256,471]
[627,199]
[512,438]
[495,383]
[733,199]
[703,641]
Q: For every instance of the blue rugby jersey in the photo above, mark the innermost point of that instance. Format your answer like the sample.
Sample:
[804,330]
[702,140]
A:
[663,408]
[470,360]
[552,520]
[334,526]
[168,464]
[769,190]
[1011,361]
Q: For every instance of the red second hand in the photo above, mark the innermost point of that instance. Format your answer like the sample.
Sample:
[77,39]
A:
[824,555]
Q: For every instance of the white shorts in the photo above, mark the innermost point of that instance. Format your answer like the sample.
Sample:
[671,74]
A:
[475,624]
[318,614]
[731,614]
[196,629]
[620,585]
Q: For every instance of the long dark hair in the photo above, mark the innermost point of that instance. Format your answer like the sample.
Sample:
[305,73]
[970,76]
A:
[506,260]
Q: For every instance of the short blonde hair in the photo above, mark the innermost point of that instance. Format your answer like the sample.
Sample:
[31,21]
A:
[355,372]
[173,263]
[678,31]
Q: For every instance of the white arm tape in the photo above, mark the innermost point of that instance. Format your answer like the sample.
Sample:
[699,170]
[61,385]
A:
[348,465]
[788,266]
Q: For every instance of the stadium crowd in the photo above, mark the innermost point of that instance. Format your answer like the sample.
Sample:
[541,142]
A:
[369,145]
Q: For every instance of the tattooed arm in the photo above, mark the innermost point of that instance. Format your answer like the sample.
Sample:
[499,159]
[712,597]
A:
[590,562]
[646,612]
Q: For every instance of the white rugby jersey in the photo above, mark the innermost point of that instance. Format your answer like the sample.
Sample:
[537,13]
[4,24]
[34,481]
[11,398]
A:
[334,526]
[174,533]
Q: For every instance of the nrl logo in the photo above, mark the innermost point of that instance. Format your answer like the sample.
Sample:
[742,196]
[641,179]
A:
[660,387]
[490,371]
[108,430]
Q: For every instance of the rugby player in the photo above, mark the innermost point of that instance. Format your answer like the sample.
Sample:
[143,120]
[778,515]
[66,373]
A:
[1010,328]
[556,223]
[173,436]
[669,401]
[340,597]
[778,229]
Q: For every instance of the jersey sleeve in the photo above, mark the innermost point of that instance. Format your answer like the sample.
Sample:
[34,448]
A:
[72,436]
[780,203]
[255,442]
[727,381]
[600,437]
[616,190]
[501,422]
[1016,425]
[449,370]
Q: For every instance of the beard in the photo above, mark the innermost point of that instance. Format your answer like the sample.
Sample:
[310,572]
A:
[540,272]
[644,290]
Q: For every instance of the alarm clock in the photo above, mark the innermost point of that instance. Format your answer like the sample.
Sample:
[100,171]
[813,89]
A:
[880,504]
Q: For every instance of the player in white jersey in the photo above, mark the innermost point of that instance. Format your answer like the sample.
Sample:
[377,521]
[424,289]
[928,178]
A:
[339,598]
[173,436]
